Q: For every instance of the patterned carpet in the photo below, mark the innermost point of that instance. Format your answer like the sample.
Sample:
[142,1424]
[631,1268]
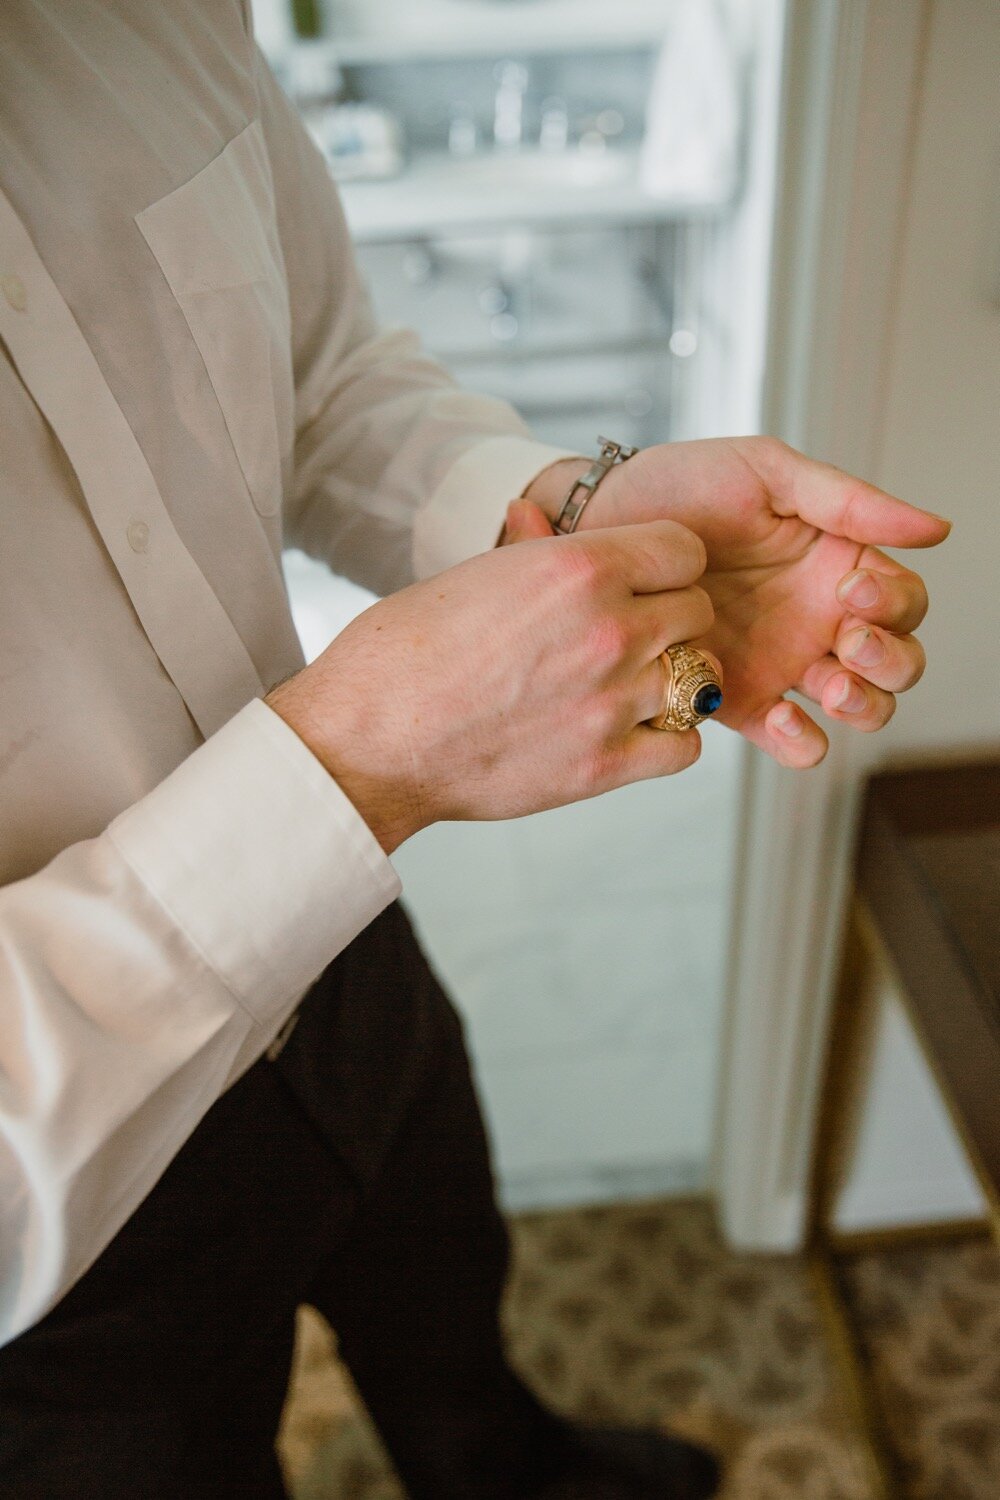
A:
[930,1322]
[638,1313]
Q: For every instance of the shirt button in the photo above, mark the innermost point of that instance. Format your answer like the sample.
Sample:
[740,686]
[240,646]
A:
[14,291]
[138,535]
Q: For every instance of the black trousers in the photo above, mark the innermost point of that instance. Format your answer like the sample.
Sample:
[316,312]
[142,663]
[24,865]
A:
[352,1173]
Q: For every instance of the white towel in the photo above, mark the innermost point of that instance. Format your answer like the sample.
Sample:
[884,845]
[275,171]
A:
[692,141]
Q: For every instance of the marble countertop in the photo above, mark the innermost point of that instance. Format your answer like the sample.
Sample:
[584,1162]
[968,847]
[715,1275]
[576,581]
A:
[438,193]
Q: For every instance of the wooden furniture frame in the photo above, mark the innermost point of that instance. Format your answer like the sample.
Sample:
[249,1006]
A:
[949,979]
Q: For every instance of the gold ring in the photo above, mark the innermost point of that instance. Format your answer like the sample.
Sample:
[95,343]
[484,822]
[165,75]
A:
[693,690]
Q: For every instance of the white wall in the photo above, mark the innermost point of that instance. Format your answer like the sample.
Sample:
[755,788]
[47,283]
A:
[586,949]
[941,448]
[906,1164]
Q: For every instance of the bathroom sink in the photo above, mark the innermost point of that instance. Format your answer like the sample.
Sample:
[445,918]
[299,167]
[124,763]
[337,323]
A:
[439,192]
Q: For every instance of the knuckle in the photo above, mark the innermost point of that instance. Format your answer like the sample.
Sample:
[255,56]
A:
[597,722]
[693,551]
[691,614]
[773,453]
[918,602]
[677,552]
[879,717]
[686,750]
[917,664]
[702,611]
[579,567]
[607,641]
[680,751]
[606,767]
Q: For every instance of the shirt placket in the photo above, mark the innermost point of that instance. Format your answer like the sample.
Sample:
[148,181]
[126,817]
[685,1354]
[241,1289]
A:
[183,618]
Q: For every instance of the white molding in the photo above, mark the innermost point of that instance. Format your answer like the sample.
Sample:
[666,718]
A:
[850,66]
[570,1187]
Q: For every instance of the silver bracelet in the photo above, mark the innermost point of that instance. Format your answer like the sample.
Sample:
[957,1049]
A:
[572,508]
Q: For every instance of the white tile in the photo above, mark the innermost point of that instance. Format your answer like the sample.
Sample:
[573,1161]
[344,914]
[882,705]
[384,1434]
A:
[506,984]
[675,834]
[455,874]
[640,971]
[640,1105]
[612,981]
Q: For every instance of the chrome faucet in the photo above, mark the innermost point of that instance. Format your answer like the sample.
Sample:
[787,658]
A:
[508,107]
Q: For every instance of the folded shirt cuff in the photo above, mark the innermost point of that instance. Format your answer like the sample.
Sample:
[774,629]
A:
[465,513]
[259,859]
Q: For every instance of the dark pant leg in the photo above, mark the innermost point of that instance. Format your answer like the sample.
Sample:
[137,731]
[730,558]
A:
[162,1372]
[413,1293]
[414,1299]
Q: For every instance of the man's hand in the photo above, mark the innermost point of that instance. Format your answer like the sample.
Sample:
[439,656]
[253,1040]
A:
[803,597]
[517,681]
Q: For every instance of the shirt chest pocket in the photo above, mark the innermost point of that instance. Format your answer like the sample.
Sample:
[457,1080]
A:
[215,240]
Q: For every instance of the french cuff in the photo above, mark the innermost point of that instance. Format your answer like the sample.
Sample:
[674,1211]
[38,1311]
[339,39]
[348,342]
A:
[259,859]
[465,513]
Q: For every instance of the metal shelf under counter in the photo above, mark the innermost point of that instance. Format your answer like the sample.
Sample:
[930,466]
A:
[439,194]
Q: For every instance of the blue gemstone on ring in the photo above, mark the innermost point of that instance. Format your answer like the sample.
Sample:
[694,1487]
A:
[707,700]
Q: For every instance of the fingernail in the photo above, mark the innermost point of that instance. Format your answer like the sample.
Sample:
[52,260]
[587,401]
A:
[788,721]
[863,648]
[859,589]
[850,697]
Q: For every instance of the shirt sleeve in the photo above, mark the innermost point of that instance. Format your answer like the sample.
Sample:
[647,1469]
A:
[143,971]
[398,471]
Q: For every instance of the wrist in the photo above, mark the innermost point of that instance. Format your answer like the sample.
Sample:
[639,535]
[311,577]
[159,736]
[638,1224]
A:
[549,488]
[380,800]
[580,494]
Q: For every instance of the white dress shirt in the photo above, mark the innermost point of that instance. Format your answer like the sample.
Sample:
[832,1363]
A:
[189,378]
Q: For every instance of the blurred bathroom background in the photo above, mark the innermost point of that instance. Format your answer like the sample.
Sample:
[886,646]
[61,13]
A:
[571,201]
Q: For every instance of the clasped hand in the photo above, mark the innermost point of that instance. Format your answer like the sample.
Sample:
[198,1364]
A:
[804,597]
[517,681]
[524,678]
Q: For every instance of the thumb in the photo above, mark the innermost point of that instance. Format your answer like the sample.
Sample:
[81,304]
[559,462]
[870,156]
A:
[525,521]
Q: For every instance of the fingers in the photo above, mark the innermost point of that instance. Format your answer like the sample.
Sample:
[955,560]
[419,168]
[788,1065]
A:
[652,683]
[850,687]
[650,693]
[632,755]
[893,662]
[650,558]
[836,502]
[882,592]
[788,734]
[663,620]
[525,522]
[845,696]
[647,753]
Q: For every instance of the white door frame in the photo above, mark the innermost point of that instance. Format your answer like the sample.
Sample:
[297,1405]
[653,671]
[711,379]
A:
[851,83]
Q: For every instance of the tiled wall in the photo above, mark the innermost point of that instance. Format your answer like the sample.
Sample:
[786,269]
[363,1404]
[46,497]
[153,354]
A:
[586,947]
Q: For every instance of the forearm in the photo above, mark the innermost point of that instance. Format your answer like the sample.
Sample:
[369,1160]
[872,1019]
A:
[142,971]
[549,489]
